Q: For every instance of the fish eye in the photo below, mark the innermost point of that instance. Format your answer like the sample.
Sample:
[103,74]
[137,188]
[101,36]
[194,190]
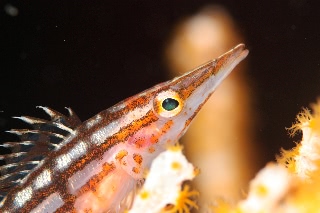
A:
[168,103]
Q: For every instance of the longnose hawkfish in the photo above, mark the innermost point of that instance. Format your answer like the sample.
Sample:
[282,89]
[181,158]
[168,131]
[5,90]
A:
[64,165]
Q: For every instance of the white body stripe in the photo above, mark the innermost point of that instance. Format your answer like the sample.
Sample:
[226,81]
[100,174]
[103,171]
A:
[78,150]
[93,121]
[99,136]
[23,196]
[49,205]
[67,139]
[117,108]
[43,179]
[63,161]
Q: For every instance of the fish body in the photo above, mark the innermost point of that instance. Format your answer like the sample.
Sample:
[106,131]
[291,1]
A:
[94,166]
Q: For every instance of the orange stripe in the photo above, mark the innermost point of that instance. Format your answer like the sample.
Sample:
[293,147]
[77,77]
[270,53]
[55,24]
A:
[96,179]
[130,130]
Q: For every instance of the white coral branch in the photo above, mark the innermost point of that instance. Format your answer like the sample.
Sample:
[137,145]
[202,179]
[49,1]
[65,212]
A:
[163,183]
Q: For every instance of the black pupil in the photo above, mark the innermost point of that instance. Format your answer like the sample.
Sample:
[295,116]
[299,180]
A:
[170,104]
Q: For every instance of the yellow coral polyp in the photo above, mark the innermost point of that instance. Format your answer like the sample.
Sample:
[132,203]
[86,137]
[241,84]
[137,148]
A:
[287,158]
[262,190]
[303,119]
[175,165]
[315,125]
[306,119]
[293,191]
[184,202]
[222,206]
[196,171]
[144,195]
[177,147]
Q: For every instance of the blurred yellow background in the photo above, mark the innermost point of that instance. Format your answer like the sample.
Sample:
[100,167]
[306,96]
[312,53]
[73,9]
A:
[220,140]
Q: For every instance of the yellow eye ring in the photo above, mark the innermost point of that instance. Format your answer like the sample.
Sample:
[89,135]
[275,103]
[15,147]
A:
[167,103]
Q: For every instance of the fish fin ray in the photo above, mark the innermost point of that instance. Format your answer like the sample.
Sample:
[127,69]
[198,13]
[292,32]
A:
[35,144]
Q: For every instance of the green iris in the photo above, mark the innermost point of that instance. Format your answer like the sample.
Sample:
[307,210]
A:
[170,104]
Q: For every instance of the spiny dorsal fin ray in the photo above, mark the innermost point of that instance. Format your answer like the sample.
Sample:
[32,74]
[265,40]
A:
[34,135]
[13,157]
[5,188]
[44,125]
[12,177]
[34,146]
[71,121]
[35,151]
[26,146]
[11,180]
[9,168]
[22,146]
[11,145]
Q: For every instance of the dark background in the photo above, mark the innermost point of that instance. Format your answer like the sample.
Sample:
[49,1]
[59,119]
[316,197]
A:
[91,54]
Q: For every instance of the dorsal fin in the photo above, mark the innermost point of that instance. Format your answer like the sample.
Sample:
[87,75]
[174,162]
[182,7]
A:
[35,144]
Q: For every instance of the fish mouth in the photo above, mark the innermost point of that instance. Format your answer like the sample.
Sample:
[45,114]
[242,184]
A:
[230,59]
